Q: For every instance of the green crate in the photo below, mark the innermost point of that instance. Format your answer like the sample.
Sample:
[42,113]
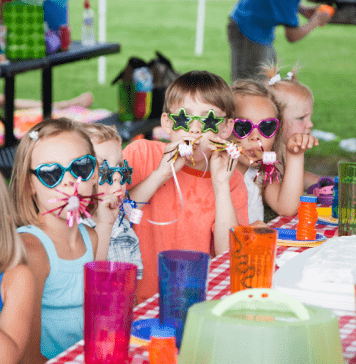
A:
[25,31]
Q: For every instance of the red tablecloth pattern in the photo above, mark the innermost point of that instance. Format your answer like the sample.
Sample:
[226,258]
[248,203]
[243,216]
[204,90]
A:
[219,287]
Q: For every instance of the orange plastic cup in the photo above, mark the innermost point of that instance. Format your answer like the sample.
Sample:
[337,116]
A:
[328,9]
[253,252]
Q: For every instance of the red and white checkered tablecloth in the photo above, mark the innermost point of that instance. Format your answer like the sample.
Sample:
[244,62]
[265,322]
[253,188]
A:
[219,287]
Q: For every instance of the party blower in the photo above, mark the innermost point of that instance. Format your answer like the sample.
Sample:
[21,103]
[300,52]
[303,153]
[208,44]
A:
[260,326]
[109,293]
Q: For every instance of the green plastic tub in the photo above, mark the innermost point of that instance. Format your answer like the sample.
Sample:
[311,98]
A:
[260,326]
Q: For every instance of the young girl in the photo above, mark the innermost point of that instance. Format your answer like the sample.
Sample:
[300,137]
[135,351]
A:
[117,239]
[296,102]
[17,286]
[258,128]
[49,160]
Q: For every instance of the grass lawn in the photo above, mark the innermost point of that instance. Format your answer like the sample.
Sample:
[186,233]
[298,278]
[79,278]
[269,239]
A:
[144,26]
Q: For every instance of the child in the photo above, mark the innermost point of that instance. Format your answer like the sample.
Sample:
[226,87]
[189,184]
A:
[296,102]
[199,108]
[50,159]
[258,128]
[117,240]
[257,94]
[17,286]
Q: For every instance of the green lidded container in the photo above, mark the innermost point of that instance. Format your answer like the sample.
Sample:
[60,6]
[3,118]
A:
[260,326]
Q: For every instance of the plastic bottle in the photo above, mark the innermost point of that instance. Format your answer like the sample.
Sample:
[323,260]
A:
[143,82]
[308,216]
[335,204]
[88,29]
[162,348]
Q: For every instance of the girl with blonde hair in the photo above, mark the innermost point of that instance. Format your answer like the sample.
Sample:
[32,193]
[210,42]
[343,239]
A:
[17,286]
[297,101]
[50,161]
[258,128]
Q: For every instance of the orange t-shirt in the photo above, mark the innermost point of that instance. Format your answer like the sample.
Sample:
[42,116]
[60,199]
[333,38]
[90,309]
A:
[195,226]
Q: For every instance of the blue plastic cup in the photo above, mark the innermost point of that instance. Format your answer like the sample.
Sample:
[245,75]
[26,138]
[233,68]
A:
[182,280]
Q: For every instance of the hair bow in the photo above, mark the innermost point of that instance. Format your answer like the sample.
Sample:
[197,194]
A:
[274,79]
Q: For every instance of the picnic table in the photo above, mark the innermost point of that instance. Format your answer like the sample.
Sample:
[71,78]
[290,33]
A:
[219,287]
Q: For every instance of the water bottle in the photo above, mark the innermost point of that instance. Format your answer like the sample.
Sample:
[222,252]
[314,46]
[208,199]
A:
[307,218]
[88,30]
[335,204]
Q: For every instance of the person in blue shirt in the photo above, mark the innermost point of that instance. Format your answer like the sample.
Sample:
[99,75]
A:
[251,31]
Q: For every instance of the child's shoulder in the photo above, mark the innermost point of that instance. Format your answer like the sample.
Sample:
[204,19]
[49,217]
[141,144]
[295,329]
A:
[21,274]
[36,252]
[144,145]
[237,178]
[93,237]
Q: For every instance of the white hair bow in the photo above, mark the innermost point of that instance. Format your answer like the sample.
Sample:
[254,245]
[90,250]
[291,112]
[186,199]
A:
[34,135]
[274,79]
[289,76]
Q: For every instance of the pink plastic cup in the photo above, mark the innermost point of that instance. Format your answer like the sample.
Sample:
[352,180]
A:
[109,296]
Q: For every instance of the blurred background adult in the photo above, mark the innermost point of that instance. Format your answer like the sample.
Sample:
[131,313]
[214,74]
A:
[251,31]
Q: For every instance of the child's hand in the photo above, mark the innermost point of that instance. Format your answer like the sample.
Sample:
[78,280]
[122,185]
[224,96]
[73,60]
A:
[299,143]
[108,208]
[259,224]
[321,17]
[165,167]
[220,163]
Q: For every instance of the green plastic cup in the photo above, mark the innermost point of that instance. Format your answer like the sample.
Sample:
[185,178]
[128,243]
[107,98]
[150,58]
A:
[347,199]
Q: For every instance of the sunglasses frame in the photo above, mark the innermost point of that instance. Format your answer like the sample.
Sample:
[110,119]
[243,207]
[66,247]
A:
[196,117]
[64,170]
[255,126]
[114,170]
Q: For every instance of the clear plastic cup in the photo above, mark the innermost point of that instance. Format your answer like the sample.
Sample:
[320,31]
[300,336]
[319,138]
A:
[109,296]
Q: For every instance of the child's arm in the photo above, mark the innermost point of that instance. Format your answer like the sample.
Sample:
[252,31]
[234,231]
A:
[38,263]
[145,189]
[108,211]
[283,197]
[225,213]
[310,179]
[317,19]
[16,315]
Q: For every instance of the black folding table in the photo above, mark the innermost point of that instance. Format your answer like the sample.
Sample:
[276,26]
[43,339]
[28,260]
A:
[76,52]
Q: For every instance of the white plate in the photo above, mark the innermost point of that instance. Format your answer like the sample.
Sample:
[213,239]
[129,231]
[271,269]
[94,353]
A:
[287,277]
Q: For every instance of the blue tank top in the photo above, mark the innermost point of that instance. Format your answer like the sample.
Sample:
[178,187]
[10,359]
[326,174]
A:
[1,303]
[63,293]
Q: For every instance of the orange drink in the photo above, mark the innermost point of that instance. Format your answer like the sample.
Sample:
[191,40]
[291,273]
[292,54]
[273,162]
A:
[252,255]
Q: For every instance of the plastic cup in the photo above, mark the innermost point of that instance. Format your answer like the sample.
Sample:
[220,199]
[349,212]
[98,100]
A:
[347,199]
[109,296]
[253,252]
[182,280]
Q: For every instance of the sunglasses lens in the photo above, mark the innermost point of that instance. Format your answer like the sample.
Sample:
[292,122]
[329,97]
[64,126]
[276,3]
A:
[242,128]
[268,127]
[50,175]
[83,167]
